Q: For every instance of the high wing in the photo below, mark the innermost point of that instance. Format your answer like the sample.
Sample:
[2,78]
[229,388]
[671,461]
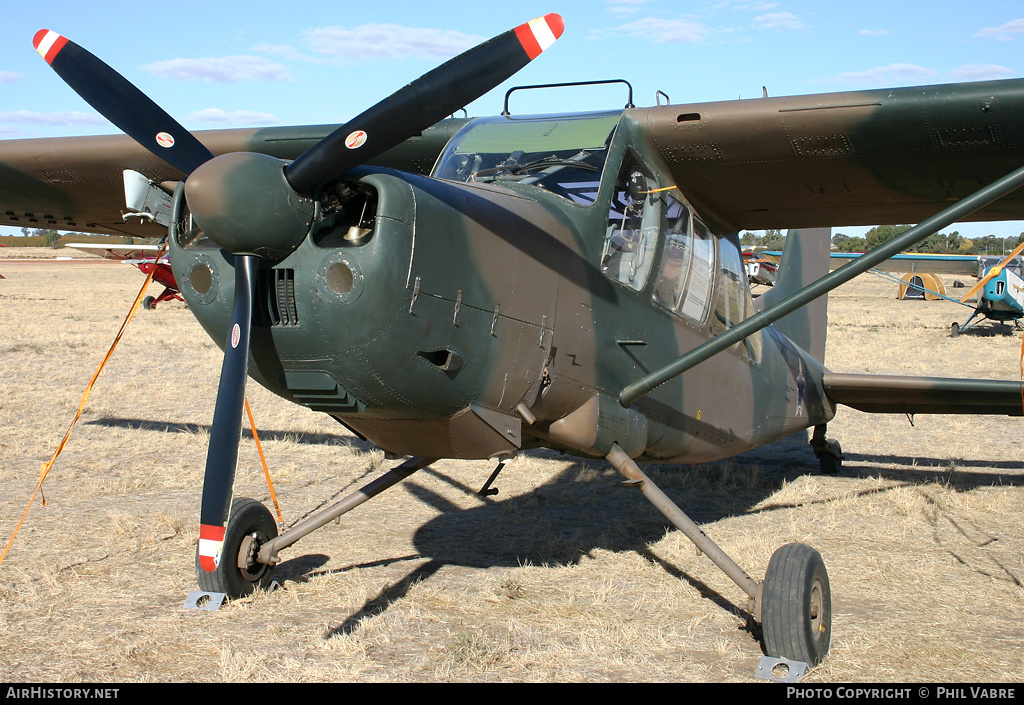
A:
[916,262]
[856,158]
[905,262]
[76,183]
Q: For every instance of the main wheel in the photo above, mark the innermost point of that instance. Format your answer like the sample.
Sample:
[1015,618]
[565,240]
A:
[830,462]
[250,525]
[796,610]
[954,330]
[149,303]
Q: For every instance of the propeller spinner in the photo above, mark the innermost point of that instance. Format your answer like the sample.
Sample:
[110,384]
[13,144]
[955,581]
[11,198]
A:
[258,207]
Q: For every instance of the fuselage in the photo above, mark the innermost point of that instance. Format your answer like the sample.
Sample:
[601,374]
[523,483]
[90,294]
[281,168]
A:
[505,301]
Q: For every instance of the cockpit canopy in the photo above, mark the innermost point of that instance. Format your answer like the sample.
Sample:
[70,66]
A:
[564,155]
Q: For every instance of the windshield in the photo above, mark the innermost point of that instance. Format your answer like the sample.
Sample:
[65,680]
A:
[564,155]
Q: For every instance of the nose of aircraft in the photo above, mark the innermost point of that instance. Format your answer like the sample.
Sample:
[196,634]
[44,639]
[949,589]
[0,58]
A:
[252,206]
[243,202]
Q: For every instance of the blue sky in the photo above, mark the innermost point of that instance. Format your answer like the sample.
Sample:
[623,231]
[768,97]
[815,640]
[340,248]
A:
[227,64]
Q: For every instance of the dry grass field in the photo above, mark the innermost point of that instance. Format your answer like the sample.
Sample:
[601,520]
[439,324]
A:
[565,575]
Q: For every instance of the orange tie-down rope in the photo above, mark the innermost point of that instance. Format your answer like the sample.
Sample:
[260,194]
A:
[45,469]
[263,460]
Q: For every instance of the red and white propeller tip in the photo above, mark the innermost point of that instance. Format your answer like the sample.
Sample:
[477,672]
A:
[48,43]
[211,542]
[537,35]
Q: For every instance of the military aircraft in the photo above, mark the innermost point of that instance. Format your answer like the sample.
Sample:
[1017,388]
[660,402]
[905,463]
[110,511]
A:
[456,288]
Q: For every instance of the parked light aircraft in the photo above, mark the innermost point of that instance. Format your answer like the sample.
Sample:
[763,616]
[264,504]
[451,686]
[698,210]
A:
[998,295]
[456,288]
[147,259]
[999,292]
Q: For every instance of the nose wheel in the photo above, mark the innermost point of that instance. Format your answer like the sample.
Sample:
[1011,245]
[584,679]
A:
[238,573]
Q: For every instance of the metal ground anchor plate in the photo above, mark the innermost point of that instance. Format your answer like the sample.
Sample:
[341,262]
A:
[213,601]
[199,600]
[780,670]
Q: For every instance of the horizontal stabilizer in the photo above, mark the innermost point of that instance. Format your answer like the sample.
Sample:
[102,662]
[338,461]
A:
[891,394]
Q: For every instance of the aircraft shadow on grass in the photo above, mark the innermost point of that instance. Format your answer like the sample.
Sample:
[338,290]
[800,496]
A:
[267,435]
[560,523]
[586,509]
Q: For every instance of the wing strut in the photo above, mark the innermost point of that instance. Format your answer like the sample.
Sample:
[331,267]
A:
[956,212]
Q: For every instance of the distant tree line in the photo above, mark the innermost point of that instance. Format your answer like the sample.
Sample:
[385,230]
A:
[939,243]
[49,237]
[770,240]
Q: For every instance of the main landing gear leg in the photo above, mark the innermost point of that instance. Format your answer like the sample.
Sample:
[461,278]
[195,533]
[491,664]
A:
[793,603]
[828,451]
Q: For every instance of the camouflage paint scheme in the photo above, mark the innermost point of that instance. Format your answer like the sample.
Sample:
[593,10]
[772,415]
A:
[470,319]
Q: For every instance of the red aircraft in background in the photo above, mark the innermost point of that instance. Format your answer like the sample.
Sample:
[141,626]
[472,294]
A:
[145,258]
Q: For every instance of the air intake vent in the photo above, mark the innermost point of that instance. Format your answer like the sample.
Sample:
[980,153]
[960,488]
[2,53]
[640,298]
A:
[275,298]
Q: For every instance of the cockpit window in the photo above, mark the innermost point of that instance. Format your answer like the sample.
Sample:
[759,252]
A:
[634,221]
[734,304]
[564,155]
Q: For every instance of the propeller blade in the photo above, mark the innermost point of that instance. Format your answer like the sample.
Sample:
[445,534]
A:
[427,100]
[114,97]
[992,272]
[222,455]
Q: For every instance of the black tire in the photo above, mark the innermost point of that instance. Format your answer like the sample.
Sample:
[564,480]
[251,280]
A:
[796,610]
[149,303]
[247,518]
[829,464]
[954,330]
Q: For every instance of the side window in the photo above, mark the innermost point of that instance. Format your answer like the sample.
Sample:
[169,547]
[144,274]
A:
[675,263]
[734,303]
[698,290]
[634,221]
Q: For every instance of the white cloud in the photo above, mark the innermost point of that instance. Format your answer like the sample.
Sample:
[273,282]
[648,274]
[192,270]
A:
[874,32]
[981,72]
[287,52]
[389,41]
[892,73]
[236,117]
[67,117]
[1003,33]
[910,74]
[667,31]
[778,20]
[10,76]
[744,5]
[625,7]
[225,69]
